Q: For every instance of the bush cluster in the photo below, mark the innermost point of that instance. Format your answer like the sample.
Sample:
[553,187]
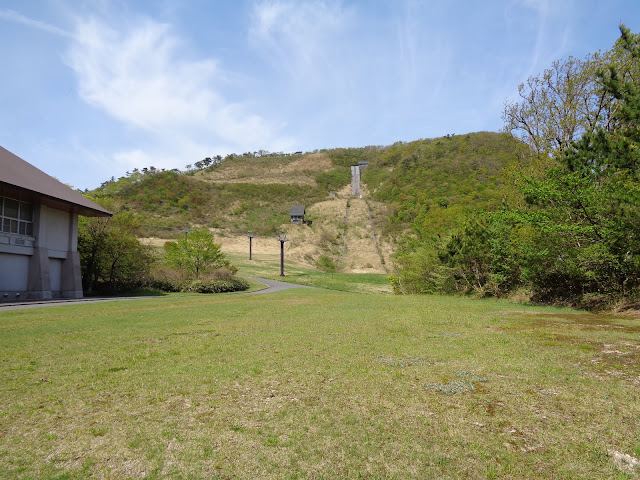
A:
[234,284]
[218,281]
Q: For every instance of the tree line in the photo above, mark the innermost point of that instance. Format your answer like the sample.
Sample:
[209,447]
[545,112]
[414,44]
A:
[113,260]
[569,229]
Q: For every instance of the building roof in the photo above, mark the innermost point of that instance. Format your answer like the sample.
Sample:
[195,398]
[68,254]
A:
[17,173]
[297,210]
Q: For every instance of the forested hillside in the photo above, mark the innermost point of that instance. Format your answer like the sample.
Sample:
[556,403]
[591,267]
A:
[247,192]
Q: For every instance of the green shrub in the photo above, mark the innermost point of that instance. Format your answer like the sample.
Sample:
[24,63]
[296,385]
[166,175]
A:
[333,179]
[216,286]
[326,264]
[218,281]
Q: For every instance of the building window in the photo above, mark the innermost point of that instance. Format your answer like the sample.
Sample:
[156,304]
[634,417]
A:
[16,216]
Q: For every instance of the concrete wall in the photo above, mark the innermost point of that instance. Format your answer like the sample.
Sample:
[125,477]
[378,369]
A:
[14,272]
[355,181]
[55,276]
[55,231]
[45,265]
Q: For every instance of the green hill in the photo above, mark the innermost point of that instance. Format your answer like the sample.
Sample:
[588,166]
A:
[241,193]
[431,182]
[425,184]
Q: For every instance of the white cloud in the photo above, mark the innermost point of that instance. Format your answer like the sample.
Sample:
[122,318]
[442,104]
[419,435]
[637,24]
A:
[542,6]
[16,17]
[141,74]
[138,77]
[301,37]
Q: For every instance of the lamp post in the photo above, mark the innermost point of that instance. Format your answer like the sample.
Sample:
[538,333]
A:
[250,235]
[282,239]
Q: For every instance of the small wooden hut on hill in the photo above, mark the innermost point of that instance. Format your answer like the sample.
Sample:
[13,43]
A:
[297,213]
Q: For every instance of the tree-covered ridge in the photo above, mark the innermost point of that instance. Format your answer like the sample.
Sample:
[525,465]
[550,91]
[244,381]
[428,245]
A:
[457,172]
[411,177]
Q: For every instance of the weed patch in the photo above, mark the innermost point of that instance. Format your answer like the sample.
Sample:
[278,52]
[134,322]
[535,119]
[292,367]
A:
[467,382]
[402,362]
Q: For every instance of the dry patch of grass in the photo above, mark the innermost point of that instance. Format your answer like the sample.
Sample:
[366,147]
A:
[296,169]
[361,255]
[324,238]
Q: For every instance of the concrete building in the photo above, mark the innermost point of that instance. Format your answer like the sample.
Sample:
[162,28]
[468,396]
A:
[39,233]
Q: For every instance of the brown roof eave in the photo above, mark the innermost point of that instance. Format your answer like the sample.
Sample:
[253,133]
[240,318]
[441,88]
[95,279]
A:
[37,197]
[16,173]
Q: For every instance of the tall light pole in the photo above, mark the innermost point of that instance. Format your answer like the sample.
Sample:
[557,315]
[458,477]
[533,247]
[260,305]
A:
[250,235]
[282,239]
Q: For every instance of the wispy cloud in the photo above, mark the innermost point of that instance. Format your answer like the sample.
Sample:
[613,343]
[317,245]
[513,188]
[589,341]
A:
[544,16]
[300,37]
[138,77]
[12,16]
[142,74]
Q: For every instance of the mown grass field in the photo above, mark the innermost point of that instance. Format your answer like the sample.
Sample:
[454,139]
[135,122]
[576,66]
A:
[268,266]
[316,384]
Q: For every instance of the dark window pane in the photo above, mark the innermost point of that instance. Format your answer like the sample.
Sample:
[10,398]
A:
[26,211]
[6,225]
[30,228]
[10,208]
[14,226]
[22,228]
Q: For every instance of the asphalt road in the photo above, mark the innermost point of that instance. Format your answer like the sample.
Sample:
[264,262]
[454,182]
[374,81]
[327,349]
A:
[271,287]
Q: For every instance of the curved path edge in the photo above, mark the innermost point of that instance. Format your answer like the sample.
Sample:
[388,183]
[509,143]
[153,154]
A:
[272,286]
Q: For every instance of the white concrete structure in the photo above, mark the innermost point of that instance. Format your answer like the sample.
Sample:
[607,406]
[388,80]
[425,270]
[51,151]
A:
[39,233]
[355,181]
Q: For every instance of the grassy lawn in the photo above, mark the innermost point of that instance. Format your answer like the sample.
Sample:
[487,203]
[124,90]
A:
[316,384]
[268,266]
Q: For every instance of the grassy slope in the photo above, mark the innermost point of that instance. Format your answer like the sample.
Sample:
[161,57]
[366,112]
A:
[237,195]
[431,182]
[315,384]
[246,193]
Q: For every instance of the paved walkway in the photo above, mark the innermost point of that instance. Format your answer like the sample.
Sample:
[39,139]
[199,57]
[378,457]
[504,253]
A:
[271,287]
[65,301]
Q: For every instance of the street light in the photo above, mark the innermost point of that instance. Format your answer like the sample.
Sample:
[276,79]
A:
[282,239]
[250,235]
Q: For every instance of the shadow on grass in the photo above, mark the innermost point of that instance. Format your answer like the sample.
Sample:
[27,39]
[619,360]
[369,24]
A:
[138,292]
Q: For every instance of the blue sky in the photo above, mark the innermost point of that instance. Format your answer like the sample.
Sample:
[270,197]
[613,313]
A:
[92,89]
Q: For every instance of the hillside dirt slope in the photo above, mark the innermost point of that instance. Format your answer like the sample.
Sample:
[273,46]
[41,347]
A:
[361,254]
[351,247]
[296,170]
